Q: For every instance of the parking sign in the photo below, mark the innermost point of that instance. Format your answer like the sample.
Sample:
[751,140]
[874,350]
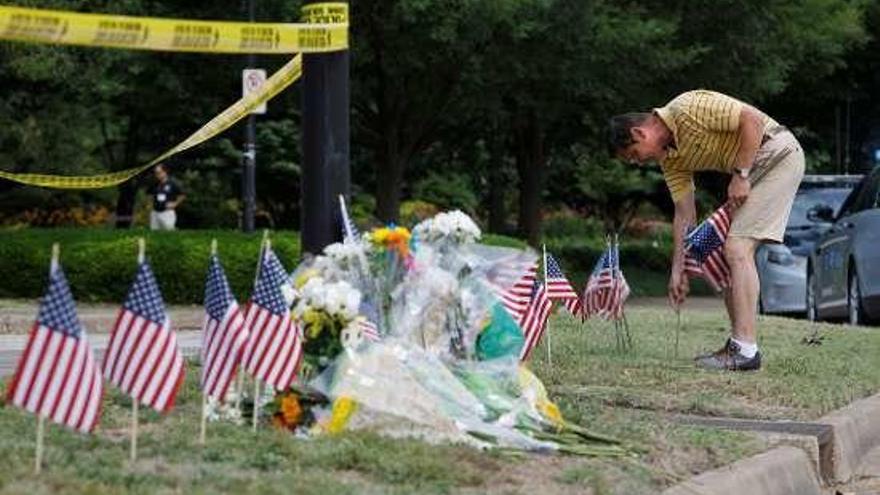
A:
[251,80]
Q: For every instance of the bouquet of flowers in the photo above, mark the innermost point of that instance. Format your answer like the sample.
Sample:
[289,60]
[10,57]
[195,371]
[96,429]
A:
[445,354]
[324,309]
[453,227]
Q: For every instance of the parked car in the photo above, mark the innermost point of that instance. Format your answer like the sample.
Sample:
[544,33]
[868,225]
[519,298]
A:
[843,271]
[782,268]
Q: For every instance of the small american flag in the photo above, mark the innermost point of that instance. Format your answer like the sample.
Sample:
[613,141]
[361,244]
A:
[512,281]
[620,291]
[597,293]
[368,329]
[224,333]
[558,286]
[275,348]
[56,376]
[534,320]
[607,288]
[704,249]
[142,358]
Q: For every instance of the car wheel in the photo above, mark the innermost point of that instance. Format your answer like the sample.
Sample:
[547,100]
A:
[812,307]
[854,301]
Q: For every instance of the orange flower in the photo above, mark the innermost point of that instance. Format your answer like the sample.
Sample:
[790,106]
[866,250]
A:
[394,239]
[291,410]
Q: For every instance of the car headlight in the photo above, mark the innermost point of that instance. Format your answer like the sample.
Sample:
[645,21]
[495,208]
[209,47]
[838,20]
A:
[784,258]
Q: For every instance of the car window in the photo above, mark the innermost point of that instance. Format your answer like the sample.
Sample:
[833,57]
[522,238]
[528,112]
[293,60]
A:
[864,197]
[809,198]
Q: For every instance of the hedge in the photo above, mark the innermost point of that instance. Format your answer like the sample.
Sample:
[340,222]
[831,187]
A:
[100,263]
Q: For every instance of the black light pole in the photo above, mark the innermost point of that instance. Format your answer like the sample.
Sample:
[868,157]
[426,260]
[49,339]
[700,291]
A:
[325,145]
[249,158]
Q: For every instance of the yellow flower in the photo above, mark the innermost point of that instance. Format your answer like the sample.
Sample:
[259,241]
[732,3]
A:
[313,321]
[551,411]
[304,277]
[378,236]
[343,408]
[536,394]
[393,239]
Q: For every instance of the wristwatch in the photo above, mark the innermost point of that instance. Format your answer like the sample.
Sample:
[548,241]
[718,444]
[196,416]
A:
[742,172]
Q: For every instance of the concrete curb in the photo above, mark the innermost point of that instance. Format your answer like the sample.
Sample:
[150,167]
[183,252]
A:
[790,470]
[778,471]
[856,430]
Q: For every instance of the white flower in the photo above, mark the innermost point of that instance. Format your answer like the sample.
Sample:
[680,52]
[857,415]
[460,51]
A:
[453,225]
[338,299]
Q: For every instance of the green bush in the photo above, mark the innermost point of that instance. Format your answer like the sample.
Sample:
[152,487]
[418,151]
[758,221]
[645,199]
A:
[563,225]
[448,190]
[100,263]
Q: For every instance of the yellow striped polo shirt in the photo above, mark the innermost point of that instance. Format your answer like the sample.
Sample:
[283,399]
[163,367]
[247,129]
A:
[705,129]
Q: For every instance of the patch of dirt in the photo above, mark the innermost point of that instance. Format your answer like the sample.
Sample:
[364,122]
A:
[532,474]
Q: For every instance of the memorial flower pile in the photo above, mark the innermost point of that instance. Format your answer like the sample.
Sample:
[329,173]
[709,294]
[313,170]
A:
[443,361]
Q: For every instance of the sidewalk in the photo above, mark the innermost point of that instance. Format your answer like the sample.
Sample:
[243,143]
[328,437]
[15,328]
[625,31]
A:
[17,316]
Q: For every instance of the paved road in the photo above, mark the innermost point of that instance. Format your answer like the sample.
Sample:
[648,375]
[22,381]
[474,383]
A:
[11,347]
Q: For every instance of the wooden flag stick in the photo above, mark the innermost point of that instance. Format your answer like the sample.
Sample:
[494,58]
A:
[547,330]
[204,425]
[677,330]
[38,465]
[56,255]
[38,455]
[239,388]
[256,402]
[134,430]
[240,384]
[142,248]
[267,245]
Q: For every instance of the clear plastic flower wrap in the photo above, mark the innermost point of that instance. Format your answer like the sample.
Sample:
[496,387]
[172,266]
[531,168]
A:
[446,357]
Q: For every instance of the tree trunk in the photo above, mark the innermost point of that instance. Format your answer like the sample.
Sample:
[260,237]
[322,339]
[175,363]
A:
[389,183]
[530,165]
[127,190]
[497,186]
[125,204]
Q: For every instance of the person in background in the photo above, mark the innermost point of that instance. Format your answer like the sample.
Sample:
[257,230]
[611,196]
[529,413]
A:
[167,196]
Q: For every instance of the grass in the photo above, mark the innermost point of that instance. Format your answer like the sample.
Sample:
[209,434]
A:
[798,381]
[628,395]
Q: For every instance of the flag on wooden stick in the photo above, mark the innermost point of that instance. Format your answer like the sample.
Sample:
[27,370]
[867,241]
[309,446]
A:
[224,333]
[57,376]
[274,350]
[559,288]
[704,249]
[534,321]
[143,359]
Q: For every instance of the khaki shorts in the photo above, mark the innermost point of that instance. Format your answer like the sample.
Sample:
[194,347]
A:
[775,177]
[163,220]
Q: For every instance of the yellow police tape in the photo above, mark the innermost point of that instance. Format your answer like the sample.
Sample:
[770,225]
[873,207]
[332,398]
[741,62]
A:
[281,79]
[325,30]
